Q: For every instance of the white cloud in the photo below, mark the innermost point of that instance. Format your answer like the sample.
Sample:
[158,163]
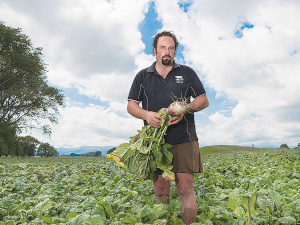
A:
[258,70]
[218,118]
[118,106]
[96,47]
[90,125]
[106,87]
[83,40]
[143,61]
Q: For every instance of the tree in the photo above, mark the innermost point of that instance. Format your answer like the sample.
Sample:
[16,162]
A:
[9,144]
[45,149]
[98,154]
[284,146]
[28,144]
[111,150]
[93,154]
[25,96]
[75,154]
[89,154]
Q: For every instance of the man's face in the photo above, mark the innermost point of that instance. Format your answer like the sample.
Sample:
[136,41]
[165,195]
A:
[165,50]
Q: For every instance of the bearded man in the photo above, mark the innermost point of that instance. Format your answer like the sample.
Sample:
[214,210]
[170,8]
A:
[155,87]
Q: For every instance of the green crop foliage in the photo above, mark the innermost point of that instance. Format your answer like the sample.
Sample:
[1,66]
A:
[260,187]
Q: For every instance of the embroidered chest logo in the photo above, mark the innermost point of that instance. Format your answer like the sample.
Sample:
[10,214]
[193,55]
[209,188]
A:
[179,79]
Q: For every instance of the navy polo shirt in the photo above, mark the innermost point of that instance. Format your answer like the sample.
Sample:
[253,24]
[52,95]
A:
[155,93]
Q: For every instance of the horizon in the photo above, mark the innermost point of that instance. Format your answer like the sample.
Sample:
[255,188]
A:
[82,151]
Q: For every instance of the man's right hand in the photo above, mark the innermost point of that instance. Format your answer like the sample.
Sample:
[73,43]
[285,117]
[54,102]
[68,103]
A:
[153,119]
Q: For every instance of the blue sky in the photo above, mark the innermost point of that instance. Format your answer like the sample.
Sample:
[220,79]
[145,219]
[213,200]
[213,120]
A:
[245,53]
[148,28]
[151,25]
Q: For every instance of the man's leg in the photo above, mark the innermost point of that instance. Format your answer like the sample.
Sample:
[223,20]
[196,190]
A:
[161,188]
[185,187]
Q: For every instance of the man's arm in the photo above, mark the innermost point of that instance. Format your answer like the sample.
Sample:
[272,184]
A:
[199,103]
[152,118]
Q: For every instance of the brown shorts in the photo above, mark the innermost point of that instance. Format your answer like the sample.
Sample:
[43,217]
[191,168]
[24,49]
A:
[186,158]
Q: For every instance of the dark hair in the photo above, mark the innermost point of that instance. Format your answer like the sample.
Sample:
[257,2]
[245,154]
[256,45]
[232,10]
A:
[164,33]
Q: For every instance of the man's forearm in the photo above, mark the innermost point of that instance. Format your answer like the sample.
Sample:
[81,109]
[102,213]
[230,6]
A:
[152,118]
[135,110]
[199,103]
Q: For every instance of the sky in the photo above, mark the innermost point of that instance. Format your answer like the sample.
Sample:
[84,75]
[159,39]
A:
[246,53]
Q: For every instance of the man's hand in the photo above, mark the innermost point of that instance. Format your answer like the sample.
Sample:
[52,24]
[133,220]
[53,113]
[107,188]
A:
[153,119]
[176,119]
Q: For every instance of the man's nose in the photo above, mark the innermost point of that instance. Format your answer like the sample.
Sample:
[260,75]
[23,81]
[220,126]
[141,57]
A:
[167,51]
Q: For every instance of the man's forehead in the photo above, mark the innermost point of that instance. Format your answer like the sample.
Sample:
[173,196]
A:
[165,38]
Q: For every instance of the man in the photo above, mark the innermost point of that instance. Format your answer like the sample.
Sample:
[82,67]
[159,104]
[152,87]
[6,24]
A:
[156,87]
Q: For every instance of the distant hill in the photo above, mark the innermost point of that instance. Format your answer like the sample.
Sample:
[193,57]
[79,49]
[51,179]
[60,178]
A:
[203,150]
[229,149]
[84,149]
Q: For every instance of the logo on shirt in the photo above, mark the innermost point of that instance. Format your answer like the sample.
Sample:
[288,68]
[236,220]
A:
[179,79]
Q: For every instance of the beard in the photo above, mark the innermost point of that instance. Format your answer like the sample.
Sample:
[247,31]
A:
[166,61]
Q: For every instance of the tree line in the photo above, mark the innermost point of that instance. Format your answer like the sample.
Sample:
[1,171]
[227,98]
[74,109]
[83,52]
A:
[26,146]
[26,99]
[286,146]
[88,154]
[93,154]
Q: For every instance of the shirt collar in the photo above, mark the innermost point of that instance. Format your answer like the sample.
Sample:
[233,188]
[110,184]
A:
[152,67]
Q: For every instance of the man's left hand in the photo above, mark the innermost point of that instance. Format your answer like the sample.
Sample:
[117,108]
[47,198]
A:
[176,119]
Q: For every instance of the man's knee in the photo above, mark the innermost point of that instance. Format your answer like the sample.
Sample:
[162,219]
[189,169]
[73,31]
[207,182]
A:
[161,187]
[161,190]
[185,184]
[185,190]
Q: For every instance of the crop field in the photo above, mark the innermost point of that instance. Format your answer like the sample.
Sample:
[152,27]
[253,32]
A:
[258,187]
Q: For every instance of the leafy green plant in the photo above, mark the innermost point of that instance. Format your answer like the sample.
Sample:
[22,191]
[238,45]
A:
[235,188]
[147,151]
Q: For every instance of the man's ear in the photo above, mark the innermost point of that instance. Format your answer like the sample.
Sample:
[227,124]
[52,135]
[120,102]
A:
[154,51]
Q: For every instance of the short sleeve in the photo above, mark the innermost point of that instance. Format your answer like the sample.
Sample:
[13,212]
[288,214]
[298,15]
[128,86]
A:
[196,86]
[136,89]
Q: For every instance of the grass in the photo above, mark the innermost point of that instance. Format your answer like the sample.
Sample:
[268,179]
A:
[225,149]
